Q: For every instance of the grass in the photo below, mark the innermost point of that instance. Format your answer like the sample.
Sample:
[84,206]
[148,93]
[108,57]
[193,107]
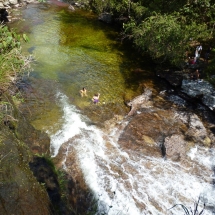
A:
[194,211]
[14,65]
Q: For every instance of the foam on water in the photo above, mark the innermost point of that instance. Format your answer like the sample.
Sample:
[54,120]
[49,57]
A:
[127,182]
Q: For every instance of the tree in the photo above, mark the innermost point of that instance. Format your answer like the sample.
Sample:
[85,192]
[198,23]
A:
[166,37]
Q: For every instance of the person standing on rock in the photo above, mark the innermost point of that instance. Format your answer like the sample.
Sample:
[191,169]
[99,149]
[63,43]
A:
[199,49]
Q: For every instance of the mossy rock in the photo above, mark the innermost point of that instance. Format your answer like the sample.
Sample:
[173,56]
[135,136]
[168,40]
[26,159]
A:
[19,190]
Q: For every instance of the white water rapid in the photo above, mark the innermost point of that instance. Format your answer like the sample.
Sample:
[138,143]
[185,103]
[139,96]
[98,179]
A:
[130,183]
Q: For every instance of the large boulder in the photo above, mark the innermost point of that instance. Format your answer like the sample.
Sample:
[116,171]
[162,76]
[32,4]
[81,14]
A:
[146,132]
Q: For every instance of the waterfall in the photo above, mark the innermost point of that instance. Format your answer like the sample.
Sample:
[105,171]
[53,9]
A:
[128,182]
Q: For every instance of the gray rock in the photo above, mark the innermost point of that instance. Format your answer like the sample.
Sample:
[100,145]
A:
[201,90]
[106,17]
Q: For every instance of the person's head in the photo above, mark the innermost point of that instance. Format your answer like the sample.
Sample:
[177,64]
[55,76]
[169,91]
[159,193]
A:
[84,88]
[96,94]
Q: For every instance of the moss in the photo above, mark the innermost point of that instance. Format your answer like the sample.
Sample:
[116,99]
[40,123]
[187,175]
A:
[19,190]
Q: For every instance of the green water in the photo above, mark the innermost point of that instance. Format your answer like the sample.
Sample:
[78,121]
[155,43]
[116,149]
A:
[74,50]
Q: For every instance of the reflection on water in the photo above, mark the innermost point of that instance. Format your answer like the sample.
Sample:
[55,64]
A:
[74,50]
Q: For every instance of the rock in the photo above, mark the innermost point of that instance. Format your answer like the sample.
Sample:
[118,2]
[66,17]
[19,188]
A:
[145,132]
[197,132]
[173,77]
[38,142]
[13,2]
[176,147]
[18,186]
[141,101]
[202,90]
[44,174]
[106,17]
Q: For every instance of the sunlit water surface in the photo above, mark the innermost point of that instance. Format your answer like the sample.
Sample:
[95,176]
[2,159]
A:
[74,50]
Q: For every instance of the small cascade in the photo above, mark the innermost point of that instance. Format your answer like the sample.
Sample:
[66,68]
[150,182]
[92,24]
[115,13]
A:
[126,181]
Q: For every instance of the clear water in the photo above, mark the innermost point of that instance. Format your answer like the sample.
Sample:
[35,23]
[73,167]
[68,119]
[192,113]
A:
[74,50]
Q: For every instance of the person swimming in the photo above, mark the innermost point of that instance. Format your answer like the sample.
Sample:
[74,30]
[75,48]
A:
[95,98]
[83,92]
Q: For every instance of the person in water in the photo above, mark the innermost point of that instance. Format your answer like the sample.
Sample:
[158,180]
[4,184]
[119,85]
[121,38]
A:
[95,98]
[83,92]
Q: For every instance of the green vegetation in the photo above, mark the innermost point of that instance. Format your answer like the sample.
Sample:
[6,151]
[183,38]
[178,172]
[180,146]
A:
[12,62]
[165,29]
[13,65]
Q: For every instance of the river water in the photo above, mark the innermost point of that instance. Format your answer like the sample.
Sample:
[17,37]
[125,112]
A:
[73,50]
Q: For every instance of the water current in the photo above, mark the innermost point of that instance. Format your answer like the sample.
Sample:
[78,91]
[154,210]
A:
[74,50]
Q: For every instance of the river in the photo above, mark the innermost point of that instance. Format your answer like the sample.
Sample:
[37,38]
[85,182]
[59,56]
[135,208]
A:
[73,50]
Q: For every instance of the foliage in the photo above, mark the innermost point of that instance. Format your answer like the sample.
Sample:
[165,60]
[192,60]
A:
[165,29]
[165,37]
[12,62]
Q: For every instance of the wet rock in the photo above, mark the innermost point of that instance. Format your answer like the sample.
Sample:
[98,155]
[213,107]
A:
[44,174]
[197,132]
[176,147]
[201,90]
[173,77]
[141,101]
[19,190]
[146,131]
[78,196]
[37,141]
[115,122]
[106,17]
